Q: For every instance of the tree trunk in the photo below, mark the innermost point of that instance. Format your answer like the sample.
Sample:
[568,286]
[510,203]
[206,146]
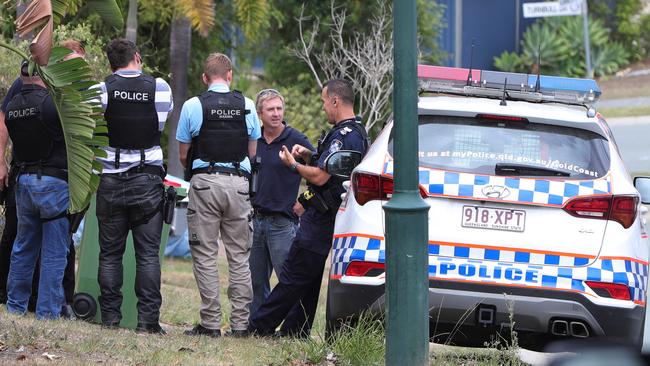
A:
[179,52]
[132,21]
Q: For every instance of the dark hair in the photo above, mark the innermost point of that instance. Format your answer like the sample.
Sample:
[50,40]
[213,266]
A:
[120,52]
[24,69]
[342,89]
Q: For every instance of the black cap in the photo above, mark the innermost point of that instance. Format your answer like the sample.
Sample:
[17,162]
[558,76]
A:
[24,69]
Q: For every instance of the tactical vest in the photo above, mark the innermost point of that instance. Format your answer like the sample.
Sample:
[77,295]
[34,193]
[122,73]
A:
[332,189]
[33,141]
[223,137]
[131,112]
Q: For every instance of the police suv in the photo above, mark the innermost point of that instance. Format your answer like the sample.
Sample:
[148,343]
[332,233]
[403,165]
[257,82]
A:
[534,221]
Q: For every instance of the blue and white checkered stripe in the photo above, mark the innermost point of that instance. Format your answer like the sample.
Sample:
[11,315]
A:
[498,266]
[521,190]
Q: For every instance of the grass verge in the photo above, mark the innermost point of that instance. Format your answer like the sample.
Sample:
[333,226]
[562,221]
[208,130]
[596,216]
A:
[625,111]
[27,341]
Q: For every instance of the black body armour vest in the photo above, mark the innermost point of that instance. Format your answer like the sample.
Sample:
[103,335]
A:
[223,137]
[332,189]
[33,141]
[131,112]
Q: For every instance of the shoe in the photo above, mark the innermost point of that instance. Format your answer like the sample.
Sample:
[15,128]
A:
[256,332]
[238,333]
[67,312]
[200,330]
[151,329]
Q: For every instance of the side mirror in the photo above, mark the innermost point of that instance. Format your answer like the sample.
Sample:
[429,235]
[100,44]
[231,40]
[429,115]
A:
[642,184]
[342,162]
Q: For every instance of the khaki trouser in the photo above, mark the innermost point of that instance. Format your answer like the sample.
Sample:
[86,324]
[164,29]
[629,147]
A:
[220,207]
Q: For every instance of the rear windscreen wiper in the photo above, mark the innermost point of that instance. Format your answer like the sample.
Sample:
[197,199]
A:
[529,170]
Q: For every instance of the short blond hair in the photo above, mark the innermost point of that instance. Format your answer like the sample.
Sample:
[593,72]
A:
[217,65]
[267,94]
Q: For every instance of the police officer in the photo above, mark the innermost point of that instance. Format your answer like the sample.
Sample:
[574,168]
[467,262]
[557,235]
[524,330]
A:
[41,198]
[293,301]
[10,227]
[130,191]
[222,129]
[274,221]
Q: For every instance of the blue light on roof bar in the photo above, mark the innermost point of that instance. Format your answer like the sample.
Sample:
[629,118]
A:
[552,83]
[490,84]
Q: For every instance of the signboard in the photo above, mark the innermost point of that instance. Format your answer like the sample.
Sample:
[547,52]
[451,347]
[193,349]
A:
[552,8]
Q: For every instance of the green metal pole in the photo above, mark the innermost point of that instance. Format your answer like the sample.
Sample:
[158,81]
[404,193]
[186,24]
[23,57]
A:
[407,331]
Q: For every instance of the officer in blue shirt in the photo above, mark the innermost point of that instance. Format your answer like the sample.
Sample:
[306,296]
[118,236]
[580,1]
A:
[293,301]
[274,221]
[221,128]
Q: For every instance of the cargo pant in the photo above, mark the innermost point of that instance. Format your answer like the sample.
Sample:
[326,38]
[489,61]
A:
[220,209]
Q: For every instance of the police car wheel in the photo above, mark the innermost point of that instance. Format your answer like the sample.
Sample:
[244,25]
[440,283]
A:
[84,306]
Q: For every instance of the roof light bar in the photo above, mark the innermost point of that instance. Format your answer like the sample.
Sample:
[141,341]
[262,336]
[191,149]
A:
[518,86]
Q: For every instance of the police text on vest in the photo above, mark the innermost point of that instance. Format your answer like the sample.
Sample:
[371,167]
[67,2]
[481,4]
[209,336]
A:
[22,113]
[131,95]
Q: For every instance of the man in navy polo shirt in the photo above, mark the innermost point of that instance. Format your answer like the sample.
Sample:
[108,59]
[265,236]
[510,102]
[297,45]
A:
[276,210]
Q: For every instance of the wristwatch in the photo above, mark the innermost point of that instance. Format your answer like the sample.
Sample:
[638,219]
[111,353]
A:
[294,167]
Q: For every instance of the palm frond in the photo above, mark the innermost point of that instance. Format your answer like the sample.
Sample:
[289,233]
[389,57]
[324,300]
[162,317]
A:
[108,10]
[200,13]
[253,15]
[80,112]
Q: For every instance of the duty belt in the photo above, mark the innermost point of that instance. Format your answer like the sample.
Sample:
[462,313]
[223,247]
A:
[149,169]
[44,170]
[221,171]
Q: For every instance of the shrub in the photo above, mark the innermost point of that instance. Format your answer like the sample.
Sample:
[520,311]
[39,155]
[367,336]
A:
[559,44]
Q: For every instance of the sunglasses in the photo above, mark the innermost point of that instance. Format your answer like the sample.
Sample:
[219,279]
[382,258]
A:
[265,92]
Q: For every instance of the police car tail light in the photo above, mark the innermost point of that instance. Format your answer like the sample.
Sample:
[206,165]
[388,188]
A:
[363,268]
[624,210]
[621,209]
[617,291]
[368,187]
[589,207]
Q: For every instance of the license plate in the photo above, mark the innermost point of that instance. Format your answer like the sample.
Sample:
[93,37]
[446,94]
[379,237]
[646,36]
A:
[494,218]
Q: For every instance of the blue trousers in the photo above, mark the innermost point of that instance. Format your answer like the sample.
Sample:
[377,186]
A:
[38,202]
[272,237]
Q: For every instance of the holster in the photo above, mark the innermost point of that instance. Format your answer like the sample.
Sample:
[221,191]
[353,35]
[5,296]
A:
[187,173]
[311,198]
[169,203]
[75,220]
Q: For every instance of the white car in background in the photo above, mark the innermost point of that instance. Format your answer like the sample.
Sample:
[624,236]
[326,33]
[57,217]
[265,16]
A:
[534,220]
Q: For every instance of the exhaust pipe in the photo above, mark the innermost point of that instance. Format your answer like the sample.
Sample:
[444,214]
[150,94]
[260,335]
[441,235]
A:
[579,330]
[560,328]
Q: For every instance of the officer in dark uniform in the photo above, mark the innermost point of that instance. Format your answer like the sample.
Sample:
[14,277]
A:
[130,193]
[293,301]
[41,199]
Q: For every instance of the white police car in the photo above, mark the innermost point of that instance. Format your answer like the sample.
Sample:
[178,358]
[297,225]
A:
[533,214]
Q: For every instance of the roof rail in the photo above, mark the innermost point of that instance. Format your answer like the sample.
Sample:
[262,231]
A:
[517,86]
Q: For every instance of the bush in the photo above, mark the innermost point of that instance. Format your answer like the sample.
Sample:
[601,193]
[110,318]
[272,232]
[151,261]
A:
[9,66]
[559,45]
[93,44]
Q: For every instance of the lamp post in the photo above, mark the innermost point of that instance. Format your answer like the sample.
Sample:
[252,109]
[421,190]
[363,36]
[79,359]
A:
[407,330]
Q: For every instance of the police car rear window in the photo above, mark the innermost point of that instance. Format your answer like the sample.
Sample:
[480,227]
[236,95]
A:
[487,146]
